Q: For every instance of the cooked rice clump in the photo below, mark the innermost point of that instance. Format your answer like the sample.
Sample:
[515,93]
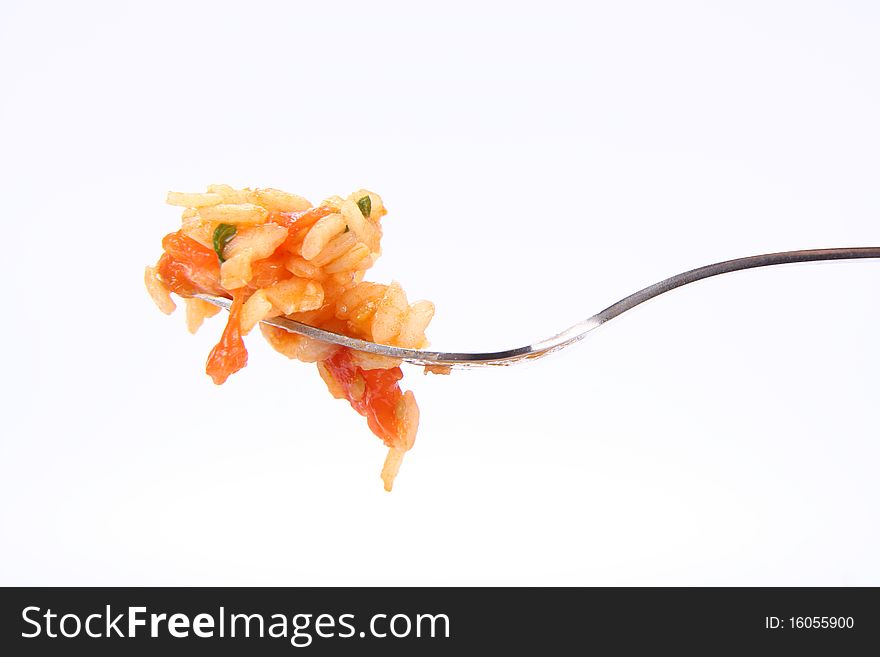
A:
[274,254]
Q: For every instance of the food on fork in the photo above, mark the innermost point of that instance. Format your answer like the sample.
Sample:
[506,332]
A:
[274,254]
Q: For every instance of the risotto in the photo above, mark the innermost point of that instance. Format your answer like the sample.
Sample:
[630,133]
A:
[275,254]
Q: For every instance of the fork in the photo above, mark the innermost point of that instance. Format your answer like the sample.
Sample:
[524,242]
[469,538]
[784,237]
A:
[570,335]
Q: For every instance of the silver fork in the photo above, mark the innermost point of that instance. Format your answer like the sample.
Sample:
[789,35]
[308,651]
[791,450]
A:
[570,335]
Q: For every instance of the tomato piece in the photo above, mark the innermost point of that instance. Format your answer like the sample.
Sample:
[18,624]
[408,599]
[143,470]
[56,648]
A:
[229,355]
[188,267]
[383,396]
[372,393]
[182,247]
[269,271]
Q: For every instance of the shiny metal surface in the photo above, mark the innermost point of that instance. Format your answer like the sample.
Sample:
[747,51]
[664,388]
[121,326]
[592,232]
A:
[574,333]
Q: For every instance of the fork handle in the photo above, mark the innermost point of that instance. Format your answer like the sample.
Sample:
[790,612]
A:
[751,262]
[580,330]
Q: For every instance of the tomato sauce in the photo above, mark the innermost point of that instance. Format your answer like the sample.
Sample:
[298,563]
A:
[303,219]
[188,268]
[298,223]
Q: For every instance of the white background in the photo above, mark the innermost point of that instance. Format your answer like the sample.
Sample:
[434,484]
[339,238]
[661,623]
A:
[540,161]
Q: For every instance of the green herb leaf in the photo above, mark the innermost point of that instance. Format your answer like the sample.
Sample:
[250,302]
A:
[365,205]
[222,234]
